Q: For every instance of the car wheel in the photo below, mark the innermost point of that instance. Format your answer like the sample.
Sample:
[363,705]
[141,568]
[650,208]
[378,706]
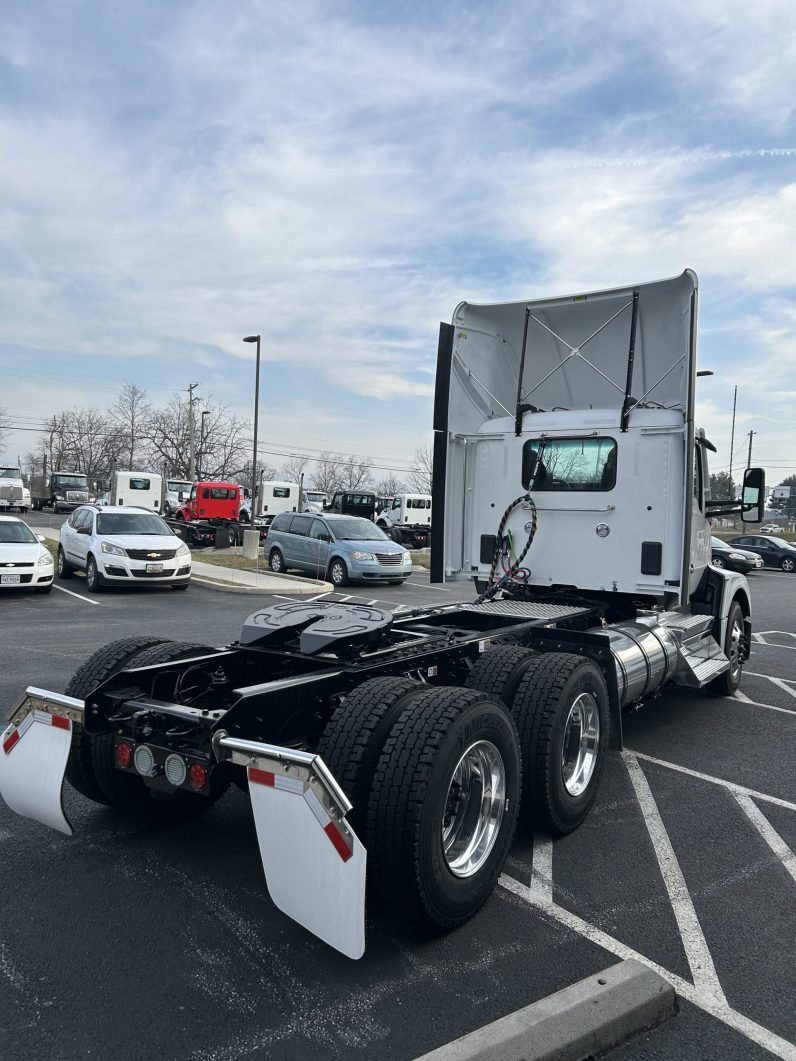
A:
[717,561]
[63,568]
[338,572]
[787,563]
[276,562]
[94,580]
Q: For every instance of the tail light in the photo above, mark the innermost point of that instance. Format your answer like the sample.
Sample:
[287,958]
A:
[144,760]
[175,770]
[124,755]
[197,777]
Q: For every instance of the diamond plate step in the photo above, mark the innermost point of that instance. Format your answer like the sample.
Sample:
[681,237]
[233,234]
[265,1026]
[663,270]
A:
[699,662]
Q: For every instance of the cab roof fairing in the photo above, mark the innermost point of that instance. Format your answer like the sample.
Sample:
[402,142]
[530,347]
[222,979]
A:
[488,342]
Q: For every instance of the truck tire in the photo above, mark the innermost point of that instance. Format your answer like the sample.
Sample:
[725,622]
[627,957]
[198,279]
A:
[94,580]
[355,734]
[728,682]
[437,837]
[499,670]
[127,792]
[97,669]
[62,566]
[560,708]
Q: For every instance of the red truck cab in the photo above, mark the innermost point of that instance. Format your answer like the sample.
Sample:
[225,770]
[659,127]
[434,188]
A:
[212,501]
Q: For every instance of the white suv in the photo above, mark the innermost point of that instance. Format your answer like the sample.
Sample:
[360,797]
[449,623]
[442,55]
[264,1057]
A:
[116,545]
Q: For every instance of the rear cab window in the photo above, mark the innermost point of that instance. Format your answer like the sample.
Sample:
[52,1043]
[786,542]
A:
[569,464]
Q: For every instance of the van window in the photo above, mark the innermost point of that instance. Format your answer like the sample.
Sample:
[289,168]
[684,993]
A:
[139,484]
[281,491]
[301,525]
[319,530]
[281,522]
[569,464]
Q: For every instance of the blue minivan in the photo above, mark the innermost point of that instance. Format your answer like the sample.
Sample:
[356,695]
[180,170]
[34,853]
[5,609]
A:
[342,548]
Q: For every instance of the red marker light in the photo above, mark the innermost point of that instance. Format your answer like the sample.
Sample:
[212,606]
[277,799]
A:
[197,777]
[124,756]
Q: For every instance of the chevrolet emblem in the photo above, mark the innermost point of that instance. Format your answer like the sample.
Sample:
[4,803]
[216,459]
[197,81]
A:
[152,556]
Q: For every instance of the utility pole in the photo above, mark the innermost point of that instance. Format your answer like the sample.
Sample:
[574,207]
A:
[749,461]
[256,501]
[191,451]
[731,485]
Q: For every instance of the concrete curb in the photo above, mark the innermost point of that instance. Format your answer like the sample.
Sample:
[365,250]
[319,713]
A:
[579,1022]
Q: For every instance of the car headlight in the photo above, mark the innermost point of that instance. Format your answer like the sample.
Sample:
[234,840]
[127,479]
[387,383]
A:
[362,556]
[59,497]
[183,550]
[407,557]
[45,560]
[736,556]
[109,547]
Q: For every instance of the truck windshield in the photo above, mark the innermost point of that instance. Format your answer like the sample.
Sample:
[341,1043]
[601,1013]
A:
[79,481]
[177,486]
[9,473]
[357,530]
[130,523]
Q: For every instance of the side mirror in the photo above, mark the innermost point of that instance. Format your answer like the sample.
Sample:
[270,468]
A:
[529,459]
[180,496]
[84,530]
[325,538]
[753,497]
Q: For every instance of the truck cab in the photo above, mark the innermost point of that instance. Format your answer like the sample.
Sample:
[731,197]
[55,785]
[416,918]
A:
[354,503]
[211,501]
[140,489]
[13,492]
[407,519]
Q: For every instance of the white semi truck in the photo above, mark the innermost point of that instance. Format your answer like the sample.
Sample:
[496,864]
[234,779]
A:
[570,485]
[13,492]
[140,489]
[407,519]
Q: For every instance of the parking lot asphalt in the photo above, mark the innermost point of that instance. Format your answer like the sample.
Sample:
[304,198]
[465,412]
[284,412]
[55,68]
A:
[133,941]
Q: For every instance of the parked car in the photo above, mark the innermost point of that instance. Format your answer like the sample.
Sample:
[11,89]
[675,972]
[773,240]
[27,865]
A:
[115,545]
[771,528]
[733,558]
[346,548]
[24,561]
[776,552]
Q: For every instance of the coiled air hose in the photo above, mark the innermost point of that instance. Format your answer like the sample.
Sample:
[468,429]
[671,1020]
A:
[515,571]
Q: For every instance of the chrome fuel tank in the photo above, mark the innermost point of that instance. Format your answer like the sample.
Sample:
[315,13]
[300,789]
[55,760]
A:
[645,656]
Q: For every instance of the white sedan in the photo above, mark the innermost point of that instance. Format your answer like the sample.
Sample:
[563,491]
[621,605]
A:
[24,561]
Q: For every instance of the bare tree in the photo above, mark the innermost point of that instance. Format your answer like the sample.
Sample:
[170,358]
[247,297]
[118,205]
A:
[355,473]
[389,486]
[294,468]
[131,413]
[420,475]
[326,473]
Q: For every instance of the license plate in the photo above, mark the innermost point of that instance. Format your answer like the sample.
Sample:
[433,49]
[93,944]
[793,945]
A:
[9,580]
[154,569]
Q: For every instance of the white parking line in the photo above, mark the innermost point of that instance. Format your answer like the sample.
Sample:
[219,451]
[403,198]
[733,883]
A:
[694,943]
[729,785]
[79,596]
[542,871]
[744,699]
[769,834]
[776,681]
[768,1040]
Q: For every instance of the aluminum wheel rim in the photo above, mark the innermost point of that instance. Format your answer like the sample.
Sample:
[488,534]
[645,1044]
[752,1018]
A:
[735,649]
[581,743]
[474,808]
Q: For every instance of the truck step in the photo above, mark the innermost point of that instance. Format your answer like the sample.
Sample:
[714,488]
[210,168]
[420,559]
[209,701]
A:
[699,662]
[685,624]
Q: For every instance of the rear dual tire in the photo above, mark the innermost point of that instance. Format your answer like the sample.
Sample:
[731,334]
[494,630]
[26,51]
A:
[434,776]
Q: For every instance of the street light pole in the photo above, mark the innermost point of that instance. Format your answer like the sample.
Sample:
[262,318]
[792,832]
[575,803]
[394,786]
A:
[255,339]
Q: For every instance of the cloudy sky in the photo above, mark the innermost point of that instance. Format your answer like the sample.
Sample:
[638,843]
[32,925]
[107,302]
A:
[337,176]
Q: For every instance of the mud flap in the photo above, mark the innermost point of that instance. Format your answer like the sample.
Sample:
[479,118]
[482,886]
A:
[314,863]
[33,754]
